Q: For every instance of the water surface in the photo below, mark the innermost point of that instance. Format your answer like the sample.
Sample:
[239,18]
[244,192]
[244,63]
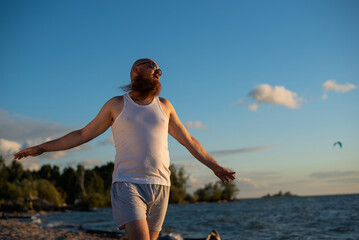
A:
[322,217]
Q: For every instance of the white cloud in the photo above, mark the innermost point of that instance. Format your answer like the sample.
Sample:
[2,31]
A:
[35,141]
[194,184]
[275,95]
[32,166]
[253,107]
[251,183]
[108,141]
[54,155]
[325,96]
[19,132]
[239,102]
[193,180]
[8,148]
[196,124]
[331,85]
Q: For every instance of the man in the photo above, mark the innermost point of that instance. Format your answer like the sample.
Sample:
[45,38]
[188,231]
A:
[140,122]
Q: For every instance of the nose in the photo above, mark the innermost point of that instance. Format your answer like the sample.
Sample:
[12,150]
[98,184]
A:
[158,71]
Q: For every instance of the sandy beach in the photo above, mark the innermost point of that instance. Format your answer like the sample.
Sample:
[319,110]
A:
[17,230]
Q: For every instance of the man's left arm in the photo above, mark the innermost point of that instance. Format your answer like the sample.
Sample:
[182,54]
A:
[180,133]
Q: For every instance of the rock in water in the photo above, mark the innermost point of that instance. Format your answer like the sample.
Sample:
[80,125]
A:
[213,236]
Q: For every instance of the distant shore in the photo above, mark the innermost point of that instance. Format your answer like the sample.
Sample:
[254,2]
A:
[18,230]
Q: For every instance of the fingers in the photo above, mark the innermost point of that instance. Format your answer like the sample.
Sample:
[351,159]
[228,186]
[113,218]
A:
[231,175]
[226,175]
[21,154]
[32,151]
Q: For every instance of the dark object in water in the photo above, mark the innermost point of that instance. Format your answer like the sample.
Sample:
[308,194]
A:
[213,236]
[7,216]
[105,233]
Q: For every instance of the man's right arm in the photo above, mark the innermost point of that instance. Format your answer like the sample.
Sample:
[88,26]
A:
[97,126]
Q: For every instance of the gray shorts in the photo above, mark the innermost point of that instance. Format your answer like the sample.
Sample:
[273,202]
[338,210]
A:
[131,202]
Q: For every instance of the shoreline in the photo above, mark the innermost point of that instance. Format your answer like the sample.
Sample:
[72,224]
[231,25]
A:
[18,230]
[11,229]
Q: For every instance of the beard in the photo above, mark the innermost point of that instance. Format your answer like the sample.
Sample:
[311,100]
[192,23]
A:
[143,88]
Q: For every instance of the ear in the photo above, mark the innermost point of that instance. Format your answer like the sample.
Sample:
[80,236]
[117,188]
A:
[134,72]
[135,69]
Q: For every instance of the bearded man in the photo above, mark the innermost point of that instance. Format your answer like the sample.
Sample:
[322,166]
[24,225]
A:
[140,123]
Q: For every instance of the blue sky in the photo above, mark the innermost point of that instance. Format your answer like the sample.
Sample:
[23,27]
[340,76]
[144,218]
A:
[266,86]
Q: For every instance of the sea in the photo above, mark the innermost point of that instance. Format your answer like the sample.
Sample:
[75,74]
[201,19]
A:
[315,217]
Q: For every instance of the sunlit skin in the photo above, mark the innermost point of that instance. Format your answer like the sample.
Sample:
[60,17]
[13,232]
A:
[136,230]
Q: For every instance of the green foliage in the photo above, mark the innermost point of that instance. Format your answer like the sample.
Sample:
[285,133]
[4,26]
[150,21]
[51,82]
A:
[23,190]
[229,191]
[68,184]
[28,188]
[92,200]
[27,174]
[93,182]
[105,173]
[52,174]
[280,194]
[4,173]
[178,185]
[15,171]
[214,192]
[11,191]
[47,191]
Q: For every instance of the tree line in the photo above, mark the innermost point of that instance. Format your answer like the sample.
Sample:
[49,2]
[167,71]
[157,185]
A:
[23,189]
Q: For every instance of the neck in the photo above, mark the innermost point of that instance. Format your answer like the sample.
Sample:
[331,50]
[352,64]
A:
[139,100]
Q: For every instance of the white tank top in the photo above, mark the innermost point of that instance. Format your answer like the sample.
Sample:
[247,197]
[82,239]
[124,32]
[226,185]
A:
[141,141]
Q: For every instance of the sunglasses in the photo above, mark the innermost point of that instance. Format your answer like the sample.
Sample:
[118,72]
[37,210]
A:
[153,66]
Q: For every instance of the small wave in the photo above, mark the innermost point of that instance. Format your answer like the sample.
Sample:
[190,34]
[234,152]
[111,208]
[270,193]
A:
[36,220]
[64,225]
[291,236]
[172,236]
[255,225]
[223,220]
[341,229]
[54,224]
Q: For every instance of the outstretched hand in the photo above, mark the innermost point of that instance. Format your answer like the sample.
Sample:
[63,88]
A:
[33,151]
[224,174]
